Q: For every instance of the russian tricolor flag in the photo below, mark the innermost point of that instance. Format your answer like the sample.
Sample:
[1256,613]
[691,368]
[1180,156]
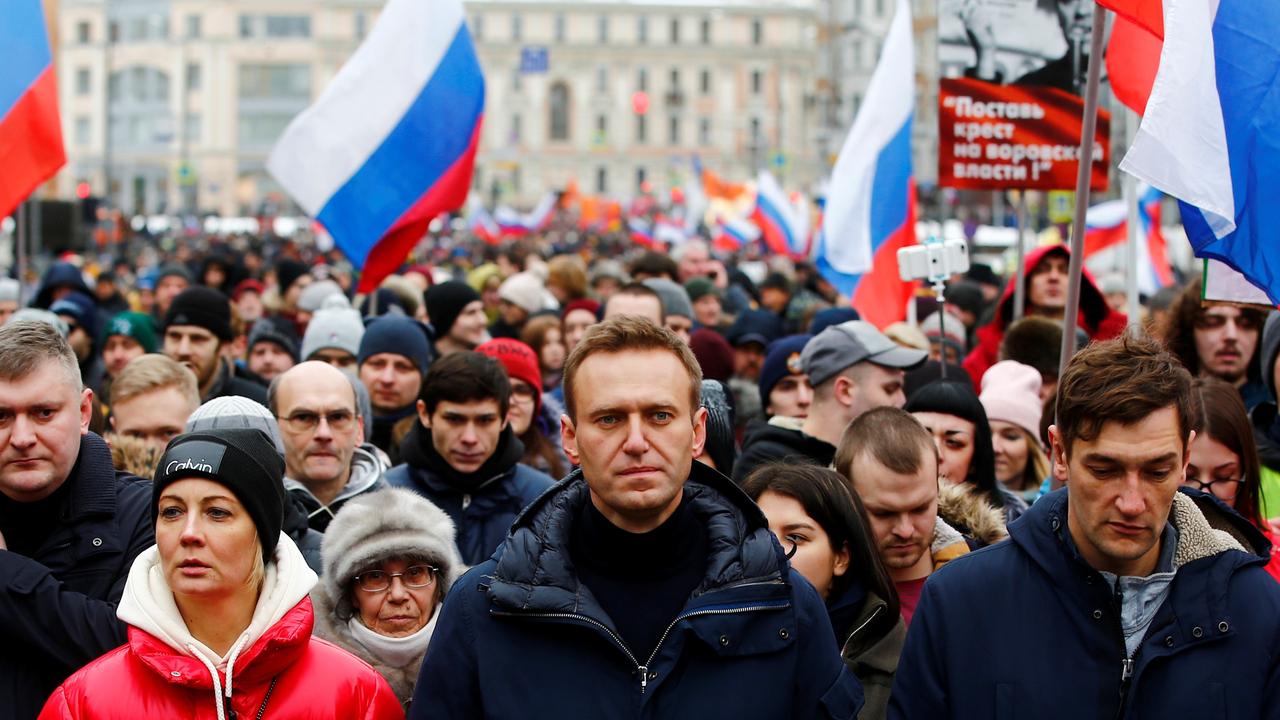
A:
[30,131]
[870,206]
[641,233]
[733,234]
[1210,135]
[1107,233]
[391,142]
[776,217]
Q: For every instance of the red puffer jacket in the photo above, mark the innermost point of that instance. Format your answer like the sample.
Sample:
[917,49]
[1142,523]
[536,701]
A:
[148,679]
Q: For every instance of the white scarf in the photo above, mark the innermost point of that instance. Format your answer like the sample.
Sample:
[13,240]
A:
[394,651]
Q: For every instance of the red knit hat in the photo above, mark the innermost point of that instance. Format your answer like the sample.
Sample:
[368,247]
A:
[519,360]
[587,304]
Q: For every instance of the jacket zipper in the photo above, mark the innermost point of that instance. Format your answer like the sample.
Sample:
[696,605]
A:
[643,669]
[1128,662]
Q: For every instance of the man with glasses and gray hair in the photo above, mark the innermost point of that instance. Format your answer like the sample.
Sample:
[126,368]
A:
[322,429]
[70,525]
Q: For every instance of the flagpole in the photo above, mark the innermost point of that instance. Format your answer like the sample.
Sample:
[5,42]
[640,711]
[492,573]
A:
[1130,188]
[1020,288]
[1090,124]
[20,238]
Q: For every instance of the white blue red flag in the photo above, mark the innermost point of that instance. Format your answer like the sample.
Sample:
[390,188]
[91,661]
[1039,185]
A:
[391,142]
[775,215]
[870,205]
[30,132]
[733,234]
[1210,135]
[1107,234]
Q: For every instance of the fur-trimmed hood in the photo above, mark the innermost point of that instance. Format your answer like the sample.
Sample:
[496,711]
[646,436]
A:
[962,507]
[133,456]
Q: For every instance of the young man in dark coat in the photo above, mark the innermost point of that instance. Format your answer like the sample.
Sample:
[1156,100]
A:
[70,525]
[463,456]
[644,585]
[1119,596]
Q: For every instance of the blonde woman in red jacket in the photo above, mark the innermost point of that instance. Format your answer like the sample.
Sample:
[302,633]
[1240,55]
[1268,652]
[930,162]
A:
[218,610]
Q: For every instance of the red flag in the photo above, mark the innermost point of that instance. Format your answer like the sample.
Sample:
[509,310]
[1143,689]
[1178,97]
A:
[1146,13]
[30,132]
[1133,57]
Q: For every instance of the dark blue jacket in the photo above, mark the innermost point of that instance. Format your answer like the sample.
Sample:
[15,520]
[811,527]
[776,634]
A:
[481,517]
[520,636]
[1026,629]
[58,606]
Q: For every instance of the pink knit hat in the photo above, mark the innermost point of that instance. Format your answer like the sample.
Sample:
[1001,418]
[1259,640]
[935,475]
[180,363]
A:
[1011,393]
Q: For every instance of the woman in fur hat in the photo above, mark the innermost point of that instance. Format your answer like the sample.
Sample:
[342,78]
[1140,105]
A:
[389,558]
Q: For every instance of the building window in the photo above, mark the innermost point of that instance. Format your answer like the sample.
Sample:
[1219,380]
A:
[704,31]
[288,26]
[517,81]
[246,26]
[517,27]
[675,80]
[84,81]
[274,82]
[602,180]
[559,123]
[559,27]
[642,80]
[194,76]
[602,125]
[193,26]
[704,82]
[602,29]
[640,178]
[675,31]
[477,27]
[362,25]
[755,132]
[879,8]
[704,132]
[757,32]
[113,32]
[515,129]
[642,29]
[673,130]
[641,129]
[84,33]
[757,82]
[192,128]
[602,79]
[82,130]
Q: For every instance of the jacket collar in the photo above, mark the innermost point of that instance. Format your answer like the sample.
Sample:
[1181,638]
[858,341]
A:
[865,648]
[92,479]
[534,572]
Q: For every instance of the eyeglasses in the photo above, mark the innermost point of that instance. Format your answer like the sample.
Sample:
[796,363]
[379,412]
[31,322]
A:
[414,576]
[1221,483]
[304,421]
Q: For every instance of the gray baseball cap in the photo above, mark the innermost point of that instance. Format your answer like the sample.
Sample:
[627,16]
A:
[850,343]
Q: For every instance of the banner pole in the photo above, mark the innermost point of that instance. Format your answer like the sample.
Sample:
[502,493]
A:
[1085,172]
[1020,287]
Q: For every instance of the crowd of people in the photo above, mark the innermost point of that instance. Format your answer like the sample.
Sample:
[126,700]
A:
[539,480]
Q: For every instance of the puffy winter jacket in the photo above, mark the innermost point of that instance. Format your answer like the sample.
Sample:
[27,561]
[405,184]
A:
[284,668]
[993,625]
[521,637]
[1096,317]
[58,603]
[484,514]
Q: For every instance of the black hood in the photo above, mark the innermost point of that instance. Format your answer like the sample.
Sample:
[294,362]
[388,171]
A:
[418,450]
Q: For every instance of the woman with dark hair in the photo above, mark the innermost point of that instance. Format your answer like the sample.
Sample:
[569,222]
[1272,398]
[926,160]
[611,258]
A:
[824,528]
[954,416]
[1224,457]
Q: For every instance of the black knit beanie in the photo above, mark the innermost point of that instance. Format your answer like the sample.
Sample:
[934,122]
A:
[288,271]
[203,307]
[445,303]
[956,397]
[242,459]
[720,445]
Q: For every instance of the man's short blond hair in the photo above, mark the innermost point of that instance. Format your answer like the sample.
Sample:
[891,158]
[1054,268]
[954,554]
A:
[624,333]
[152,372]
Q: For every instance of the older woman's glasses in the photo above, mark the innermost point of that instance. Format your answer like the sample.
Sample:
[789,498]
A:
[414,576]
[306,421]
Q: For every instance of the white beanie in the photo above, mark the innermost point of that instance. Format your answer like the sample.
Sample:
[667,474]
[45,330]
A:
[525,290]
[335,325]
[234,411]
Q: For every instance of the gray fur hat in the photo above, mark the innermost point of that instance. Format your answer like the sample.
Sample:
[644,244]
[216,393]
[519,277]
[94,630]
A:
[388,523]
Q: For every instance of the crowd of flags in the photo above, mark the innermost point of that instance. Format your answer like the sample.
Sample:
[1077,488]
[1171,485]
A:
[390,145]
